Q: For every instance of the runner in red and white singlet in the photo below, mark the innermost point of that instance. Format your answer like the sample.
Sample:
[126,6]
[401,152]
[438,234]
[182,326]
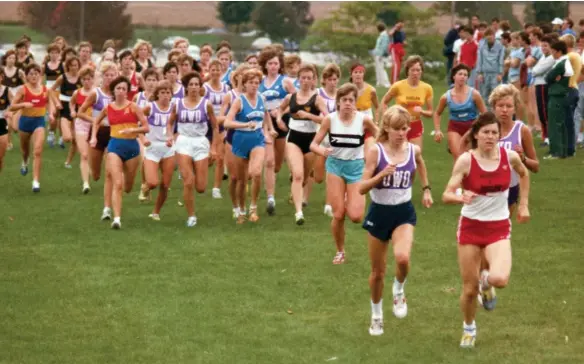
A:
[484,228]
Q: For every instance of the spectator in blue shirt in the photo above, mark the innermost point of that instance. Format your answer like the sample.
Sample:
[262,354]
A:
[380,54]
[567,27]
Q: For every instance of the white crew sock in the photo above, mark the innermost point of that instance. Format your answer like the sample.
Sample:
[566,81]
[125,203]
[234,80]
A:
[376,309]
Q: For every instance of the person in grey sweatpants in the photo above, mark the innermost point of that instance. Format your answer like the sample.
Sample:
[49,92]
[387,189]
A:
[579,115]
[491,56]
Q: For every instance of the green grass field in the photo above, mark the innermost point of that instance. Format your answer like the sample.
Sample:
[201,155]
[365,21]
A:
[74,291]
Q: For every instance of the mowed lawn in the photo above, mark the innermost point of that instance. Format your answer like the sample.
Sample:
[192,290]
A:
[74,291]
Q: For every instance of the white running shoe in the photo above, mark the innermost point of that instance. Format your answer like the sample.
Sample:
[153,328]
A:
[299,216]
[328,210]
[376,328]
[468,339]
[192,221]
[271,208]
[106,214]
[36,186]
[400,305]
[155,217]
[216,193]
[235,212]
[86,188]
[68,165]
[116,224]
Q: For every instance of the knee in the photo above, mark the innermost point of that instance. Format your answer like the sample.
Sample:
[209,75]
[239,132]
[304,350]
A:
[152,185]
[402,258]
[354,216]
[378,274]
[189,183]
[498,280]
[270,164]
[37,152]
[298,178]
[318,178]
[339,214]
[117,184]
[200,188]
[470,290]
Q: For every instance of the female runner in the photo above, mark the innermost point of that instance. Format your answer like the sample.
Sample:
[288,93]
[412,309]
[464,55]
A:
[5,115]
[412,93]
[97,101]
[126,121]
[484,228]
[67,84]
[388,177]
[14,78]
[215,92]
[127,63]
[158,155]
[273,88]
[230,159]
[330,79]
[344,165]
[142,52]
[464,105]
[367,99]
[307,109]
[249,117]
[33,101]
[193,116]
[83,127]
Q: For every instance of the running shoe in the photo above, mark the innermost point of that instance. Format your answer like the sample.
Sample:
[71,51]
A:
[468,339]
[400,305]
[86,188]
[192,221]
[328,210]
[24,169]
[36,186]
[271,208]
[116,224]
[299,216]
[216,193]
[376,328]
[339,258]
[488,294]
[155,217]
[106,214]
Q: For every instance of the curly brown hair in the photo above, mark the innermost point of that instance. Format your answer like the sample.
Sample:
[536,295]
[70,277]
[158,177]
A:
[268,53]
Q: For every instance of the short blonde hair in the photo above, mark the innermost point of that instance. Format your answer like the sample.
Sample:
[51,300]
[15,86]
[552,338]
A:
[396,117]
[502,91]
[139,44]
[569,39]
[106,65]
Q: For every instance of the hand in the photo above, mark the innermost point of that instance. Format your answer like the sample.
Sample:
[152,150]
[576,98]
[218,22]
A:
[146,142]
[418,109]
[519,151]
[480,78]
[51,118]
[93,142]
[522,214]
[73,114]
[126,131]
[301,114]
[27,105]
[427,199]
[59,106]
[213,152]
[389,169]
[438,136]
[273,113]
[251,125]
[499,78]
[7,115]
[273,134]
[467,197]
[169,141]
[281,125]
[327,151]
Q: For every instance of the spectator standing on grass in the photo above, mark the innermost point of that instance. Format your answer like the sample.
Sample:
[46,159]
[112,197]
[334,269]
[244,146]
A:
[495,26]
[380,54]
[491,56]
[397,50]
[506,43]
[572,97]
[468,54]
[475,20]
[449,41]
[558,79]
[567,26]
[539,71]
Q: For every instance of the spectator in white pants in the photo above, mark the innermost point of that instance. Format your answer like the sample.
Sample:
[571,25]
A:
[380,53]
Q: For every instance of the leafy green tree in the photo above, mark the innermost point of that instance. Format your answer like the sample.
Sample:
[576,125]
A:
[546,11]
[485,10]
[103,20]
[283,19]
[235,13]
[350,30]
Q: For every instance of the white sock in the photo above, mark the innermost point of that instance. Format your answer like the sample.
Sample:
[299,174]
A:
[117,219]
[271,198]
[471,327]
[397,286]
[376,309]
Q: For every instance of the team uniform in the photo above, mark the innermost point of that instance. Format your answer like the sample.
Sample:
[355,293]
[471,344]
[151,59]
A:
[215,98]
[192,127]
[51,75]
[363,102]
[82,127]
[134,86]
[331,106]
[140,68]
[409,97]
[178,95]
[462,115]
[67,90]
[485,220]
[157,120]
[4,103]
[13,82]
[229,134]
[346,160]
[302,131]
[226,78]
[274,96]
[125,146]
[245,140]
[33,117]
[141,100]
[509,142]
[103,133]
[391,199]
